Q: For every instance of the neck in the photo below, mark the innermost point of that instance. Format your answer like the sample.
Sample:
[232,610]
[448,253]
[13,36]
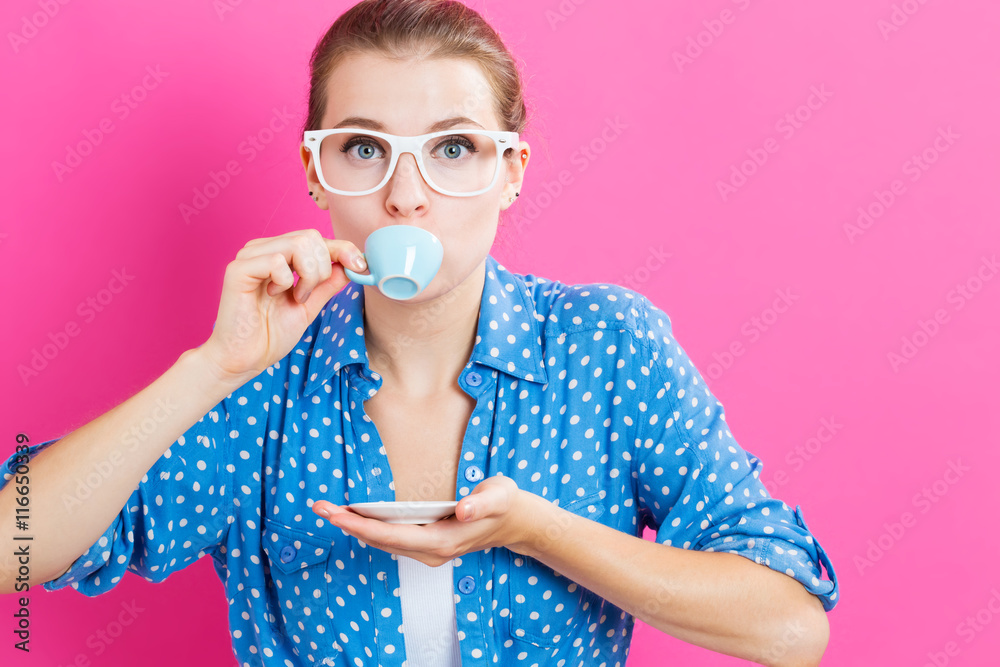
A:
[419,349]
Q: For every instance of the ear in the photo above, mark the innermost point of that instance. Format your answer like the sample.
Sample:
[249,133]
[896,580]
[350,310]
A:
[312,180]
[514,175]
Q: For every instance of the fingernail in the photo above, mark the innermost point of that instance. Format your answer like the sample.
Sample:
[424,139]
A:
[359,262]
[305,297]
[470,512]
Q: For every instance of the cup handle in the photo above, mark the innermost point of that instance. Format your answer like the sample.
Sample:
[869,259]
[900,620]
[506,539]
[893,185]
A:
[360,277]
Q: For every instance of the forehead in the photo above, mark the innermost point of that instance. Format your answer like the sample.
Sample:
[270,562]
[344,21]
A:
[408,96]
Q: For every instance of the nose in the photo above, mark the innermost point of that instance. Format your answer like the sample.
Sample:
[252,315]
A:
[406,168]
[407,187]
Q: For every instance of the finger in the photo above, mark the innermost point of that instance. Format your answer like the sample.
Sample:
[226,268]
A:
[341,254]
[372,531]
[484,501]
[492,496]
[313,257]
[340,251]
[347,254]
[325,291]
[324,507]
[466,510]
[311,260]
[272,249]
[268,267]
[387,536]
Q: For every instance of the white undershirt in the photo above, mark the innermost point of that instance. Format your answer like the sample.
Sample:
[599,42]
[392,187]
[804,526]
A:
[430,630]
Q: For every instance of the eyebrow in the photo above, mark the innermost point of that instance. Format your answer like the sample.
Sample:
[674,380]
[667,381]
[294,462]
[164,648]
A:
[368,123]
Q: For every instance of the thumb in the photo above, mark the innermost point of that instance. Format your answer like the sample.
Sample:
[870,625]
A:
[325,290]
[475,506]
[467,510]
[494,495]
[478,504]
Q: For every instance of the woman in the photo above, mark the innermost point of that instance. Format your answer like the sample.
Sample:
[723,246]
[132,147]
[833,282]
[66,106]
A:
[563,418]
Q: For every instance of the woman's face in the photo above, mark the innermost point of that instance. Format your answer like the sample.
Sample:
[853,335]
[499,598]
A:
[406,98]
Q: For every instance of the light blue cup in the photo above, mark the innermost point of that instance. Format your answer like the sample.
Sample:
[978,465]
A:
[402,261]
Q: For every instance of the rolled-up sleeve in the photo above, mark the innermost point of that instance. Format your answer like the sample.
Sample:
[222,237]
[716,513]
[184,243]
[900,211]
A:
[697,487]
[179,511]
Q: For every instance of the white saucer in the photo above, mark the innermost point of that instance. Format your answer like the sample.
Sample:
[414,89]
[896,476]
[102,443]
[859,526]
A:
[418,512]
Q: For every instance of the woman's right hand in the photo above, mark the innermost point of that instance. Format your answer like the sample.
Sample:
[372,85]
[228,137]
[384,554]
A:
[262,315]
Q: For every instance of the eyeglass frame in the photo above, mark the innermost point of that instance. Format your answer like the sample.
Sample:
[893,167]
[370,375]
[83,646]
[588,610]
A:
[412,145]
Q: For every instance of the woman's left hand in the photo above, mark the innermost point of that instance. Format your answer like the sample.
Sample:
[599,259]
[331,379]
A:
[493,515]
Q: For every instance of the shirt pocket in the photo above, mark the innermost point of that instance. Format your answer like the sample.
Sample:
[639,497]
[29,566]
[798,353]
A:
[545,605]
[298,565]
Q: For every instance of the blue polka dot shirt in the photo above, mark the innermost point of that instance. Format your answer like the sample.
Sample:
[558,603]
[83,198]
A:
[583,397]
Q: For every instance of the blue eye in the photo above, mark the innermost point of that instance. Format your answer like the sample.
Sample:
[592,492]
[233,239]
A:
[368,147]
[453,146]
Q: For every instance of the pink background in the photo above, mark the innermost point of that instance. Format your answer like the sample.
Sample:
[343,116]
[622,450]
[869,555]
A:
[682,130]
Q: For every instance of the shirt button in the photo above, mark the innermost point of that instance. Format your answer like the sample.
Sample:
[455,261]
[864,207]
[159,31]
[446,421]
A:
[287,553]
[466,585]
[473,474]
[474,379]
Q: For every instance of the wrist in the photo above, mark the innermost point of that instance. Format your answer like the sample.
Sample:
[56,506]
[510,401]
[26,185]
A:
[214,376]
[536,524]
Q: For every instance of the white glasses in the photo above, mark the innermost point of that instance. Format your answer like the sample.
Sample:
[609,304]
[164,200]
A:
[459,163]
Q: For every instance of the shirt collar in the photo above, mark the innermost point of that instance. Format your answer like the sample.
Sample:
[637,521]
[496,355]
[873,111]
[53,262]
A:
[508,336]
